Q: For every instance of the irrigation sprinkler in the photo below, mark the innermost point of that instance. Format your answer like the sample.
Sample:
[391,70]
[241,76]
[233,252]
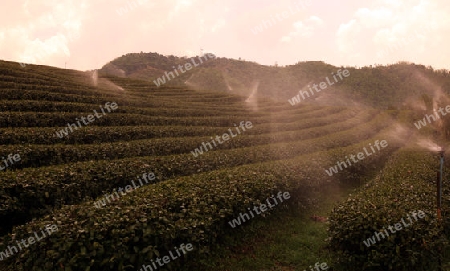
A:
[440,175]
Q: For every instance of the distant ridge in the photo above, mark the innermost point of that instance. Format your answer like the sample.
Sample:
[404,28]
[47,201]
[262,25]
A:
[377,86]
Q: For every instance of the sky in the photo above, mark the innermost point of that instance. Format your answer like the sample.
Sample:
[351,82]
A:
[87,34]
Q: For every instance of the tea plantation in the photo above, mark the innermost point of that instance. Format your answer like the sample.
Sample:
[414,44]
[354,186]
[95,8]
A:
[192,198]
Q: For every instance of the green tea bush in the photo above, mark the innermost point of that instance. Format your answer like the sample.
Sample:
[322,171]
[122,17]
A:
[406,184]
[47,106]
[103,134]
[126,233]
[62,154]
[35,191]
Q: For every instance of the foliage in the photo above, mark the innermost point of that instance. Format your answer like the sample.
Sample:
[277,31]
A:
[128,232]
[34,192]
[377,86]
[403,186]
[154,130]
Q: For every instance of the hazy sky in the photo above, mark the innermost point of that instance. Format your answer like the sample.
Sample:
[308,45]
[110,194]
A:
[89,33]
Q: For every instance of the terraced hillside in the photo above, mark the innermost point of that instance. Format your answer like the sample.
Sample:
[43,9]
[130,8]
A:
[399,85]
[406,184]
[70,179]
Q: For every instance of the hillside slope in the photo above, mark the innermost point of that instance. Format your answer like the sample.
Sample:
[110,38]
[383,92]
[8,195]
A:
[399,85]
[65,172]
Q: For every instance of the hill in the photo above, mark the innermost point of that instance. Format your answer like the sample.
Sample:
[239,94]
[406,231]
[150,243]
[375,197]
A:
[400,85]
[114,171]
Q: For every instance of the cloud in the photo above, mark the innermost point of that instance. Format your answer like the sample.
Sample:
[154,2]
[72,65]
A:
[88,33]
[219,24]
[404,27]
[179,6]
[347,35]
[304,28]
[44,31]
[378,17]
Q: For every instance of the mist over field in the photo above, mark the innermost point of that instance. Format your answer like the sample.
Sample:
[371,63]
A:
[224,135]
